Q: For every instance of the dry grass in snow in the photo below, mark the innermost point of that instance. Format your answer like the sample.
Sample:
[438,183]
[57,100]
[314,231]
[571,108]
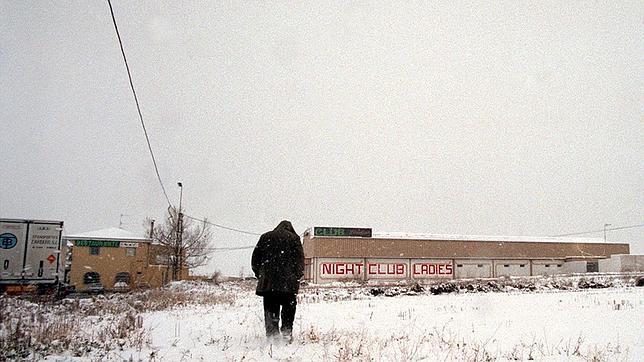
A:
[102,326]
[517,319]
[351,324]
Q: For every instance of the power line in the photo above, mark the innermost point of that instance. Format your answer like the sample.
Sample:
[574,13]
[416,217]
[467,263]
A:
[231,248]
[136,100]
[601,230]
[222,226]
[147,138]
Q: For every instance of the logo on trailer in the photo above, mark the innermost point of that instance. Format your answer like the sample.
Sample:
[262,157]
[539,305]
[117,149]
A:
[8,241]
[51,259]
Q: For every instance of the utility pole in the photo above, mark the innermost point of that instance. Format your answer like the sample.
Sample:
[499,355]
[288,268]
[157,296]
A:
[179,249]
[605,231]
[121,220]
[151,229]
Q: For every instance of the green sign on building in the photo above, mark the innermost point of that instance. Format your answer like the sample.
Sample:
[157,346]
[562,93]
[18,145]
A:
[342,232]
[96,243]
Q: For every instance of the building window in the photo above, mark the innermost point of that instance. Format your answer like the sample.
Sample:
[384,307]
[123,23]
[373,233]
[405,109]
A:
[94,250]
[91,278]
[459,265]
[506,265]
[522,265]
[123,277]
[130,251]
[558,265]
[547,265]
[162,259]
[480,265]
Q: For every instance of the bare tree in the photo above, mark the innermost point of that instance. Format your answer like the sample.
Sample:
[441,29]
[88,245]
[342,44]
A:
[185,243]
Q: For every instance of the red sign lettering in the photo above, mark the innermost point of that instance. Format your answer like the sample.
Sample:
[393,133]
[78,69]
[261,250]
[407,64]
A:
[385,269]
[432,269]
[341,268]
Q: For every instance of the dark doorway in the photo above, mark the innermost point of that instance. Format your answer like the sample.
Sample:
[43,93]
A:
[592,266]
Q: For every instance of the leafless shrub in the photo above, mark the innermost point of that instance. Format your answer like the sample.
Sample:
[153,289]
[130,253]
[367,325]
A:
[312,335]
[163,299]
[32,330]
[216,277]
[444,343]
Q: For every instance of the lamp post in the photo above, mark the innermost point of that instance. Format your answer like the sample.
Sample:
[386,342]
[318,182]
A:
[180,194]
[605,231]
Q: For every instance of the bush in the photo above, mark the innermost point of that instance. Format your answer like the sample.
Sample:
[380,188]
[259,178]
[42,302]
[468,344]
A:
[639,282]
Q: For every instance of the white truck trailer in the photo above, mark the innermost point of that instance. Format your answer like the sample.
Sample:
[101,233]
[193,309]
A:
[30,254]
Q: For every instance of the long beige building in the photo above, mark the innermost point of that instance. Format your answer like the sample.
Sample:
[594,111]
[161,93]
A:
[339,253]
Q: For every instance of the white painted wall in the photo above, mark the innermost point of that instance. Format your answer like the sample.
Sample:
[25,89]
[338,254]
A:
[547,267]
[610,265]
[506,268]
[473,269]
[575,266]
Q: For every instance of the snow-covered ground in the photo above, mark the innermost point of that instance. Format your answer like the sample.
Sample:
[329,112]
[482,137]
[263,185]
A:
[225,322]
[604,324]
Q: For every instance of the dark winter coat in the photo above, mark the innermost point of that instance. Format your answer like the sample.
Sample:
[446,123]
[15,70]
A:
[278,260]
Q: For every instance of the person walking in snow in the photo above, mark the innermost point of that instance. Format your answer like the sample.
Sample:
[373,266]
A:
[278,264]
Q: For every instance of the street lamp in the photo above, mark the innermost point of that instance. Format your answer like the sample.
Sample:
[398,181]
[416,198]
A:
[605,231]
[180,194]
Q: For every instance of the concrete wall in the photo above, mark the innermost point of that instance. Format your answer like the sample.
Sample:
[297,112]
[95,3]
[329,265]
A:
[622,263]
[575,266]
[631,263]
[466,269]
[610,265]
[324,270]
[506,268]
[547,267]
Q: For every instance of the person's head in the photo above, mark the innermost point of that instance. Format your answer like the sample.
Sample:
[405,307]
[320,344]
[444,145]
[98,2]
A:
[286,225]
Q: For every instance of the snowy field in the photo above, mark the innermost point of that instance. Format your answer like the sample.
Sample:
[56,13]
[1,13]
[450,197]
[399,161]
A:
[225,322]
[603,324]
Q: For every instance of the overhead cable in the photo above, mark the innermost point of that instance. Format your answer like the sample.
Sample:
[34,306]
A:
[136,100]
[222,226]
[231,248]
[601,230]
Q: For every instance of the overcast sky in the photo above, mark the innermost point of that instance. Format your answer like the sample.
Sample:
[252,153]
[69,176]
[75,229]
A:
[504,118]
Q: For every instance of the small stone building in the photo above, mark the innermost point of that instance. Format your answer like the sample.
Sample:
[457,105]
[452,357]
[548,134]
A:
[116,259]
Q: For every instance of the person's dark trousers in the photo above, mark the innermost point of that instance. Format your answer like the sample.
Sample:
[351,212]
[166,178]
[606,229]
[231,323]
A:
[272,304]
